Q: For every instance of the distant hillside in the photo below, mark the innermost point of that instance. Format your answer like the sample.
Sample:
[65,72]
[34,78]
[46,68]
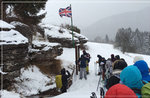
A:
[110,25]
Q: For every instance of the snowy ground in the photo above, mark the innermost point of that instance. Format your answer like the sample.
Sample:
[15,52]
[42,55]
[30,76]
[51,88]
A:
[80,88]
[83,88]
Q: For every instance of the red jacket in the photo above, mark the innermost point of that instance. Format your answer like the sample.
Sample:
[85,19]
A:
[120,91]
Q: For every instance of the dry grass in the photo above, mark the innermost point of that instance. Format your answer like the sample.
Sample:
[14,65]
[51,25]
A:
[49,67]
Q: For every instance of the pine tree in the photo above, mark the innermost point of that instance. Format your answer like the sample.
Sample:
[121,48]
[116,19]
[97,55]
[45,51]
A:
[27,12]
[106,39]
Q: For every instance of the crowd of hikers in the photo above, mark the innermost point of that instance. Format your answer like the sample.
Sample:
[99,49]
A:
[120,79]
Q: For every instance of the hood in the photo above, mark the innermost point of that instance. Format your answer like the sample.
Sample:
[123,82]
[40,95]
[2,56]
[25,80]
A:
[119,64]
[131,77]
[143,67]
[120,91]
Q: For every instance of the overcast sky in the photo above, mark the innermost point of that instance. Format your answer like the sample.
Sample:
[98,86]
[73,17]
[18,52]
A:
[86,12]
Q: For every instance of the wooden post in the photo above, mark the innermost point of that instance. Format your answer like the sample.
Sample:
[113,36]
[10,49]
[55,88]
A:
[76,56]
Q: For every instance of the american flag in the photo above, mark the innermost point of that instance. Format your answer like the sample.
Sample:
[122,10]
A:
[65,12]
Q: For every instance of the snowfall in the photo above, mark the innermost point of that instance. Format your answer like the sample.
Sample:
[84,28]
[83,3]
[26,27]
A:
[79,88]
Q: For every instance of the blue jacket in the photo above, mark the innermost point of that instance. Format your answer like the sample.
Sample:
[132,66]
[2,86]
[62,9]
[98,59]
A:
[82,61]
[131,77]
[143,67]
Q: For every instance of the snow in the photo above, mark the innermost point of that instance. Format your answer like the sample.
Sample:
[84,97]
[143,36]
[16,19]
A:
[53,31]
[12,37]
[47,45]
[1,72]
[83,88]
[5,25]
[7,94]
[15,23]
[32,81]
[80,35]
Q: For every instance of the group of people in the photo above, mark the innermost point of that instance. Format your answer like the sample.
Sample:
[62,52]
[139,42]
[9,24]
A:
[123,81]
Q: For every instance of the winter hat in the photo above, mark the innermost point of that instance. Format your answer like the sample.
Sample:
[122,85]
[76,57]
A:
[131,77]
[120,91]
[117,57]
[119,64]
[99,56]
[137,58]
[143,67]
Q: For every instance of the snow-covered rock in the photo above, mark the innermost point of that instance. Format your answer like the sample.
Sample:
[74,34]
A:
[45,50]
[12,37]
[63,36]
[24,29]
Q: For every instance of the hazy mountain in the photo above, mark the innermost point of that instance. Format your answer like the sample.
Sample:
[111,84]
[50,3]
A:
[110,25]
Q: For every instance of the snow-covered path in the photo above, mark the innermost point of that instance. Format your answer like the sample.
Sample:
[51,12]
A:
[83,88]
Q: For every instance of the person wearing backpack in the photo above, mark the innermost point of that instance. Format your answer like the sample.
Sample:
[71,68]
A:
[115,78]
[144,69]
[64,79]
[120,91]
[131,77]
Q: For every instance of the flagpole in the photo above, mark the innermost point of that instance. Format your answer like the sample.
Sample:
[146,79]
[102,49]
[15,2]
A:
[73,42]
[72,29]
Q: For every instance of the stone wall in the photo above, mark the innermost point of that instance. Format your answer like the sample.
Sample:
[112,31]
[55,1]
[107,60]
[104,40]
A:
[14,57]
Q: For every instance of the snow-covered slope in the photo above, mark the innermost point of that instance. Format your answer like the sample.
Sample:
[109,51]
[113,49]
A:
[32,81]
[83,88]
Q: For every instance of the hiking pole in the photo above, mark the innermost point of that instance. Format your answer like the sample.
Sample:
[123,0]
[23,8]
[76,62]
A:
[98,82]
[102,92]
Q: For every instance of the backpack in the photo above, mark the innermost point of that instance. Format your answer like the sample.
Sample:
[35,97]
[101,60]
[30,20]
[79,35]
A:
[58,80]
[146,91]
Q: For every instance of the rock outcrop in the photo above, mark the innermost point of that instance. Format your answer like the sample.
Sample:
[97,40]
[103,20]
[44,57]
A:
[14,58]
[63,36]
[43,51]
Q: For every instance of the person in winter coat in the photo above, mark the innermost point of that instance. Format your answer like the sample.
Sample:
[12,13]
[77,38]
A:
[115,78]
[112,58]
[99,62]
[117,57]
[144,69]
[109,69]
[103,62]
[82,64]
[131,77]
[87,56]
[64,80]
[120,91]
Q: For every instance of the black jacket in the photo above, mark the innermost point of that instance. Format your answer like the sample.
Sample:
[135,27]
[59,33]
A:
[114,79]
[65,77]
